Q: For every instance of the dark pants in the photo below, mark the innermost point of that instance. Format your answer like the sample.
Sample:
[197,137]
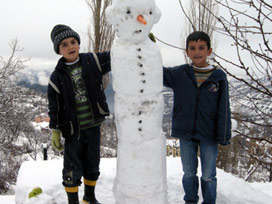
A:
[82,157]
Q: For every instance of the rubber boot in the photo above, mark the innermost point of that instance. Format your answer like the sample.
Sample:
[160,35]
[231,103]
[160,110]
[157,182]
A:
[72,198]
[89,195]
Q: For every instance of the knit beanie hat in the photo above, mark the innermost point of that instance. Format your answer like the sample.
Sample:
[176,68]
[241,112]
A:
[59,33]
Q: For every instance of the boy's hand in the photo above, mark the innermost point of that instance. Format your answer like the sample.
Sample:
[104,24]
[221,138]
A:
[56,140]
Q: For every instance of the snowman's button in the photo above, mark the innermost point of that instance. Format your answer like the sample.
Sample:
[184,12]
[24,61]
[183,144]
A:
[137,31]
[140,64]
[140,112]
[140,121]
[140,57]
[140,129]
[142,91]
[139,49]
[143,81]
[142,73]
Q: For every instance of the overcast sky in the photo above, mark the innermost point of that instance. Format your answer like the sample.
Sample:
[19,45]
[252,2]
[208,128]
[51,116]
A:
[31,21]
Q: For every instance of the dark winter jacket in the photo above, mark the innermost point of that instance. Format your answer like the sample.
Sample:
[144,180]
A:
[204,110]
[62,106]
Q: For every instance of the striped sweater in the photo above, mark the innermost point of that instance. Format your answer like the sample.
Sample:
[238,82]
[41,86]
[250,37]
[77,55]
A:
[84,110]
[202,74]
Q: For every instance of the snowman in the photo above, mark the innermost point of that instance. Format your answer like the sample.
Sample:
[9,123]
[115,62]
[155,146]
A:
[137,82]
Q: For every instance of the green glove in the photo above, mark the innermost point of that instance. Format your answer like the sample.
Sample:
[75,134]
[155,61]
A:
[36,191]
[152,37]
[56,140]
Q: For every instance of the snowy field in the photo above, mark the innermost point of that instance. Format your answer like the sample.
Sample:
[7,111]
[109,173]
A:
[231,190]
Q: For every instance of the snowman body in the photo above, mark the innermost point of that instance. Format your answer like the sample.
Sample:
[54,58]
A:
[137,82]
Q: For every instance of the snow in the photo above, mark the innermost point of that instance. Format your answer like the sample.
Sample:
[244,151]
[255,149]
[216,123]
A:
[123,13]
[41,125]
[47,175]
[128,71]
[137,80]
[34,170]
[136,66]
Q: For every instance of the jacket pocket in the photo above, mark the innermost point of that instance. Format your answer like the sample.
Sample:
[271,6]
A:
[101,110]
[176,111]
[213,115]
[67,129]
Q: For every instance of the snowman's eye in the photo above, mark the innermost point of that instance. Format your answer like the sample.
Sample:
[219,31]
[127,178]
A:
[128,11]
[150,12]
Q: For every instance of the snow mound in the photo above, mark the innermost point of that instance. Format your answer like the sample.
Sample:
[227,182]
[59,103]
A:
[47,175]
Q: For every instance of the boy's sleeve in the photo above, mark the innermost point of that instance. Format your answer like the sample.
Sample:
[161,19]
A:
[53,105]
[168,77]
[105,61]
[223,118]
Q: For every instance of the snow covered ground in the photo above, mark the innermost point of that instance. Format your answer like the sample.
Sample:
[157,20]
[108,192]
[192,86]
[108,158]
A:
[47,175]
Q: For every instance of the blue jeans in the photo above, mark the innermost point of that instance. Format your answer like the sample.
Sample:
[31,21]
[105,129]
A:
[190,181]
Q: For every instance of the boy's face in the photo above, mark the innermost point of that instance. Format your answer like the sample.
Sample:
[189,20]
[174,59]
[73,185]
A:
[198,52]
[69,49]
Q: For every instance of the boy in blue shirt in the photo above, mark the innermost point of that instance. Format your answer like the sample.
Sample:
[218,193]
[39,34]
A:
[201,116]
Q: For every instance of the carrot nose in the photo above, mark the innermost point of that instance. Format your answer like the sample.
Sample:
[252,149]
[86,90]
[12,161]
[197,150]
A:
[141,19]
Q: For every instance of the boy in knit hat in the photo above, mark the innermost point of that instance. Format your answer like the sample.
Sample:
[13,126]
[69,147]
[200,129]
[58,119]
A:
[77,107]
[201,116]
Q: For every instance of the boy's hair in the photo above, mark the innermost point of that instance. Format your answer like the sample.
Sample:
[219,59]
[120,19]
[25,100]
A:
[59,33]
[198,35]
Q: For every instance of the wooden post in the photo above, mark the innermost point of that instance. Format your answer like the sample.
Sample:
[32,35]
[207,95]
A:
[270,176]
[44,151]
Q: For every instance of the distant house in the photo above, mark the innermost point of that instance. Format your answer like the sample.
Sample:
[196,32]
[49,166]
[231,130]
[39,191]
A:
[43,117]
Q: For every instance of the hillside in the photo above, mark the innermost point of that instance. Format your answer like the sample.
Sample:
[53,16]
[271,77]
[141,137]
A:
[232,159]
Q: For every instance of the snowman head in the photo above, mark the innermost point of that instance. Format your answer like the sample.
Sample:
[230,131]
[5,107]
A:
[133,19]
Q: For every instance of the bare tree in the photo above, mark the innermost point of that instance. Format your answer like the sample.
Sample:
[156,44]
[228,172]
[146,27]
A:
[18,106]
[248,27]
[13,64]
[199,18]
[9,125]
[100,33]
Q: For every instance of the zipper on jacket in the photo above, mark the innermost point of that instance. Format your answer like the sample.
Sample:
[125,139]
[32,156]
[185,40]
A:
[74,103]
[198,101]
[88,97]
[193,78]
[196,110]
[57,97]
